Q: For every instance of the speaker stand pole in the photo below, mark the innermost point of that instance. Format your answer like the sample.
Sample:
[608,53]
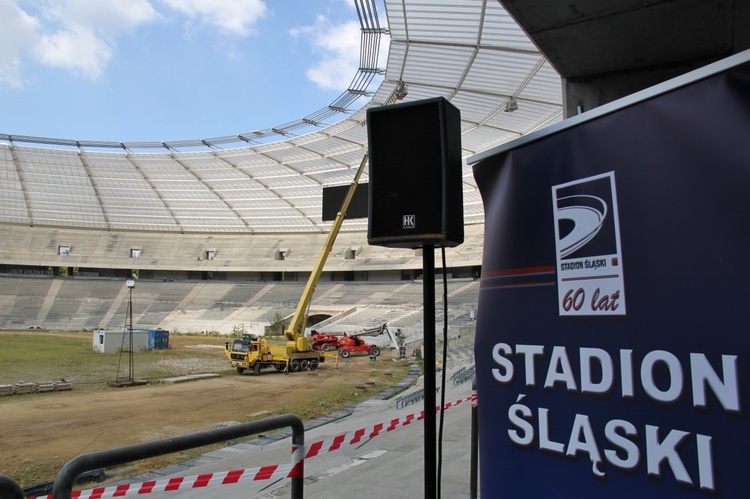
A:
[430,447]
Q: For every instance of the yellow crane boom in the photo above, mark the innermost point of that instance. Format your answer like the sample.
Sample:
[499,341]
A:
[295,332]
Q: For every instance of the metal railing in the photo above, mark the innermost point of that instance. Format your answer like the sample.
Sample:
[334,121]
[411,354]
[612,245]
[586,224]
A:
[457,373]
[463,375]
[66,477]
[411,398]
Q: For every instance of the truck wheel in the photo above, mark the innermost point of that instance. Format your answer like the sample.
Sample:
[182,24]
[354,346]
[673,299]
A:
[344,353]
[240,370]
[304,364]
[279,367]
[256,368]
[314,364]
[375,351]
[294,366]
[326,347]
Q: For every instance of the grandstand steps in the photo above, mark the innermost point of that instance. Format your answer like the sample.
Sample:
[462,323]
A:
[389,294]
[49,300]
[185,302]
[76,304]
[323,297]
[260,294]
[239,316]
[470,288]
[21,299]
[246,313]
[122,296]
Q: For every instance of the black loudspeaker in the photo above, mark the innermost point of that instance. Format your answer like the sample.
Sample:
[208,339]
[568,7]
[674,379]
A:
[415,186]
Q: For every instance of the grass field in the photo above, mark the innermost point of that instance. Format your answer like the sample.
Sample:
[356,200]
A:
[34,447]
[42,356]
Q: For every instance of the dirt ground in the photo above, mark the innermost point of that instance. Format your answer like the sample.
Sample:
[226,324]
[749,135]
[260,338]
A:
[39,433]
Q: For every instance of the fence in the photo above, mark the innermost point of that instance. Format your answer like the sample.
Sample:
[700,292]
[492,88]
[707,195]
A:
[463,375]
[66,477]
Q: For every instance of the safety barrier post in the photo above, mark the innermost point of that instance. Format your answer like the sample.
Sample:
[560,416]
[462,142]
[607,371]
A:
[474,443]
[63,485]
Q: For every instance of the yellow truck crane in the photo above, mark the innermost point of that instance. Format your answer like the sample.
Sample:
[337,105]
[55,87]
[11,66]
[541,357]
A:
[256,354]
[298,354]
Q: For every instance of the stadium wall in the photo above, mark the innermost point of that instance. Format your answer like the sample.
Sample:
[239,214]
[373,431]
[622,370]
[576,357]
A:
[200,256]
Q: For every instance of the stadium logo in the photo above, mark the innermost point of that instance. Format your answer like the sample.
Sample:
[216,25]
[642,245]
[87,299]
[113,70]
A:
[587,213]
[587,239]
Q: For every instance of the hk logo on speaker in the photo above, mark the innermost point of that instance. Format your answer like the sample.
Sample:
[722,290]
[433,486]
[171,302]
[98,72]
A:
[408,221]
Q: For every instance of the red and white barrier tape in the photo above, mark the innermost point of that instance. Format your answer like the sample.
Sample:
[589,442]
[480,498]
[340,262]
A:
[273,472]
[357,436]
[189,482]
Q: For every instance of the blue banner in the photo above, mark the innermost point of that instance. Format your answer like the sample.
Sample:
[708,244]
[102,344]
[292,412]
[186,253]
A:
[613,332]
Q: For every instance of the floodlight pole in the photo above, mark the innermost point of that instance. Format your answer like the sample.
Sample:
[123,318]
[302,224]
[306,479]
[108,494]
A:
[131,363]
[430,427]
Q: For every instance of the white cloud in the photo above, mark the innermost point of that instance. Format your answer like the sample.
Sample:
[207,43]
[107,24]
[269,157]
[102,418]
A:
[231,17]
[81,35]
[105,17]
[75,35]
[337,47]
[75,49]
[17,33]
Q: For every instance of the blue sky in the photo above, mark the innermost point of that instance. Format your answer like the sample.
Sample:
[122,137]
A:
[160,70]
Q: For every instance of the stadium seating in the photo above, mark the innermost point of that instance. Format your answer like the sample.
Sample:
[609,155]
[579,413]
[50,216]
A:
[78,304]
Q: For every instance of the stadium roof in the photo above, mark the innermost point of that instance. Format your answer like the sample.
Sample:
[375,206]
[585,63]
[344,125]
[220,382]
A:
[472,53]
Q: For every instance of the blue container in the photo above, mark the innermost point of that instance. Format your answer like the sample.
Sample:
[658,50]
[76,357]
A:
[158,339]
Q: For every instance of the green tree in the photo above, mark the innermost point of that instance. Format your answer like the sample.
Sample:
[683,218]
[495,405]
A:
[277,324]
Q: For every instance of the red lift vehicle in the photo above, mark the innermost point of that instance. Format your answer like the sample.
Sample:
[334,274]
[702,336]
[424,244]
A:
[325,342]
[346,345]
[350,343]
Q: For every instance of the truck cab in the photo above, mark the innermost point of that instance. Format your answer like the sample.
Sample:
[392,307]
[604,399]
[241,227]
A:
[245,354]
